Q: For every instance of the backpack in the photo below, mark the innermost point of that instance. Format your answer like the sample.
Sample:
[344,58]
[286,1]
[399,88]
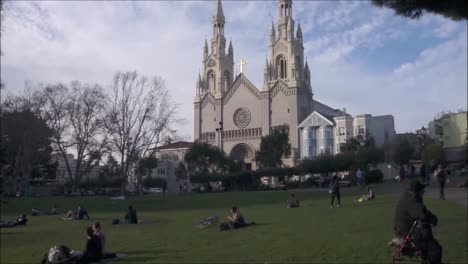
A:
[224,226]
[57,254]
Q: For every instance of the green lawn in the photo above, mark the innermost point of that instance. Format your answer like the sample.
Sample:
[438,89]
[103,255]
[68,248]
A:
[314,233]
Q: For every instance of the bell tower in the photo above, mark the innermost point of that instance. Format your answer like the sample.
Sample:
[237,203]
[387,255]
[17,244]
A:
[218,66]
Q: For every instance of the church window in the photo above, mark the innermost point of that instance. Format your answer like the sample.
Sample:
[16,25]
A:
[226,81]
[212,81]
[283,73]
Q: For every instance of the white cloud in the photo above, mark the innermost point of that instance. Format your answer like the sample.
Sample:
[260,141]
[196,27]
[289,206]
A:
[61,41]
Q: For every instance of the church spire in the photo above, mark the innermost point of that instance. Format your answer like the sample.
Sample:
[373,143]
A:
[231,49]
[218,41]
[299,31]
[218,16]
[290,28]
[272,34]
[266,72]
[205,50]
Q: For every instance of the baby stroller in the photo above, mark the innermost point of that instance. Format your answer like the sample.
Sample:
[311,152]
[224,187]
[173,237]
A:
[406,250]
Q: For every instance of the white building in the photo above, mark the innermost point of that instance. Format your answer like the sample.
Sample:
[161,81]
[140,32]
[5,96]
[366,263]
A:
[62,176]
[322,133]
[169,157]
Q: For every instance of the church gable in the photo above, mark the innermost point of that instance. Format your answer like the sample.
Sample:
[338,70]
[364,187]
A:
[281,86]
[208,98]
[241,81]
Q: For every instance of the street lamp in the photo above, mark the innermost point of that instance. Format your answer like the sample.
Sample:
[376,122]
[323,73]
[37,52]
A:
[220,134]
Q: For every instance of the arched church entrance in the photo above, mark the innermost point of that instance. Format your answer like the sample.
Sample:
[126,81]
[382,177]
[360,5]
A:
[243,153]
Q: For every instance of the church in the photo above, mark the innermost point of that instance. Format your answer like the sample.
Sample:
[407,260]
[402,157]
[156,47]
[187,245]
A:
[232,114]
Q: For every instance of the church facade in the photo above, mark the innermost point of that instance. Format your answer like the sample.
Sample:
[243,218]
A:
[233,114]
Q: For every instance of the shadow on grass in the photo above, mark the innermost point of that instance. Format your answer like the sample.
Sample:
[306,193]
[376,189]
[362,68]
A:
[136,256]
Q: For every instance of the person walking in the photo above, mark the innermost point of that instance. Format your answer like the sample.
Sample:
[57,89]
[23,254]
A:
[335,190]
[422,173]
[360,177]
[402,173]
[440,177]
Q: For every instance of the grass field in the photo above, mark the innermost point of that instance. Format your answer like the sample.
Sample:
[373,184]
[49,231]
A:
[313,233]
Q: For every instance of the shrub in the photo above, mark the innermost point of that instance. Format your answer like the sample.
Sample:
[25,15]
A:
[373,176]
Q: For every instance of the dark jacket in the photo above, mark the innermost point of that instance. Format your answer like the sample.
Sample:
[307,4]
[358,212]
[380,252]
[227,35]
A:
[93,251]
[409,209]
[335,184]
[131,216]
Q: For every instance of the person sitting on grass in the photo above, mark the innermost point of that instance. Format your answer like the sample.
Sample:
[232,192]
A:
[236,221]
[100,233]
[81,213]
[93,251]
[293,202]
[367,197]
[131,216]
[70,215]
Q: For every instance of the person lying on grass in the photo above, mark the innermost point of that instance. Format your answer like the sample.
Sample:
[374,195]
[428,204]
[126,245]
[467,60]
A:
[370,195]
[21,221]
[293,202]
[35,212]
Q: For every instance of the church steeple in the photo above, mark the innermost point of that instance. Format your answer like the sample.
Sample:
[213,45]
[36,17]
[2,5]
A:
[218,16]
[231,49]
[284,12]
[299,32]
[218,41]
[290,28]
[272,34]
[218,67]
[205,50]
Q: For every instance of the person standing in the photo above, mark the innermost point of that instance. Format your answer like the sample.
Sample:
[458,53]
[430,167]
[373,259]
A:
[422,173]
[402,173]
[335,191]
[360,177]
[410,208]
[440,177]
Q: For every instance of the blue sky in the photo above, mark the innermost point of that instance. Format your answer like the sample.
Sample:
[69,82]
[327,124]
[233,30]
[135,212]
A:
[362,57]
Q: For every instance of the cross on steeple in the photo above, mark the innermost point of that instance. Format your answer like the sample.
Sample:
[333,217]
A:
[241,65]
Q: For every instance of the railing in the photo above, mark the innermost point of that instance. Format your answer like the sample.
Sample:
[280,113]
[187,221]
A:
[242,133]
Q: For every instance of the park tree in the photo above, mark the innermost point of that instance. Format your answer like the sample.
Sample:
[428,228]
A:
[139,115]
[75,113]
[415,9]
[206,159]
[401,151]
[433,154]
[181,172]
[143,170]
[25,148]
[273,148]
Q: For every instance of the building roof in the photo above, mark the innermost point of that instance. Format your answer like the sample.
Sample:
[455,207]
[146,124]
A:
[175,145]
[324,116]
